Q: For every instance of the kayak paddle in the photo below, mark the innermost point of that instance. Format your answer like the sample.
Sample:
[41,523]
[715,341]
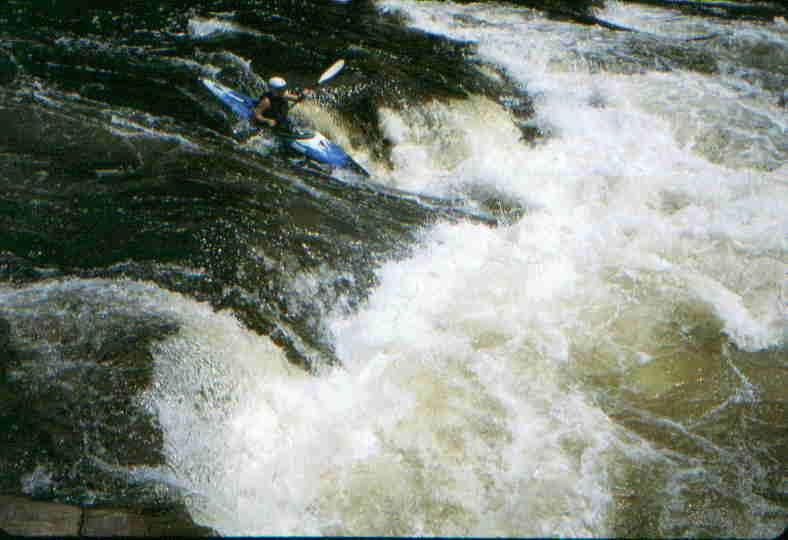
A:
[333,69]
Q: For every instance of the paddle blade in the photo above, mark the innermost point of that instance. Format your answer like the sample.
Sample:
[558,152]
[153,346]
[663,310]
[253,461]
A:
[335,68]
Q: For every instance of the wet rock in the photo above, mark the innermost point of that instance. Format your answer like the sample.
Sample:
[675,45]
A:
[20,516]
[73,429]
[174,522]
[71,425]
[640,53]
[109,522]
[31,518]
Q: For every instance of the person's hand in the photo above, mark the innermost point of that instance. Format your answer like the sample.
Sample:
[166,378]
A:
[270,122]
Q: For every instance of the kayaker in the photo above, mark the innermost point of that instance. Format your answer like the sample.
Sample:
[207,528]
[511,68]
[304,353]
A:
[273,106]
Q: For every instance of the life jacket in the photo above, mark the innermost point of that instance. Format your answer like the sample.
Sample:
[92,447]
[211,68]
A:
[277,110]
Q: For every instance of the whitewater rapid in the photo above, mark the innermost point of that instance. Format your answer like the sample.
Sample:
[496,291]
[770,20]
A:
[471,400]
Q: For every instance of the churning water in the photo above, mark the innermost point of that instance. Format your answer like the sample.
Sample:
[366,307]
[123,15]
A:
[608,364]
[610,360]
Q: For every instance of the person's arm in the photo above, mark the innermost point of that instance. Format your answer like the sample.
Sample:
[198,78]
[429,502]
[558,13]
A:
[259,112]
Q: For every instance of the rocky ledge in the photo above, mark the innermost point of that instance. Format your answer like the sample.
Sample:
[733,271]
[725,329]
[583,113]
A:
[75,431]
[25,517]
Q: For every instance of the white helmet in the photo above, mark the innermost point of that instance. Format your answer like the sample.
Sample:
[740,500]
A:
[277,82]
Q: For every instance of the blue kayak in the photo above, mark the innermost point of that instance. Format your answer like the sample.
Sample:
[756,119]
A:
[311,144]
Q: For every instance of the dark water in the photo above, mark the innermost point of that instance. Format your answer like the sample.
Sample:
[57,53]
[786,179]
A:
[136,210]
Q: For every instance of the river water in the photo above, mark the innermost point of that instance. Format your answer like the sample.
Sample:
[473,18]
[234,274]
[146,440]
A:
[609,359]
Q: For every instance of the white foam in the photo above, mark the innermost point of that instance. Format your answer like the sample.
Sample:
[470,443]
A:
[621,179]
[39,480]
[202,27]
[127,127]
